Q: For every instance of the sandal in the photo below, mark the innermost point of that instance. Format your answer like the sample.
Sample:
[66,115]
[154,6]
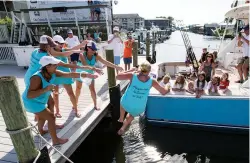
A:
[58,115]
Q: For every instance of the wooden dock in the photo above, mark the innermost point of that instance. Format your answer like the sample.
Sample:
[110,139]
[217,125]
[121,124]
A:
[76,129]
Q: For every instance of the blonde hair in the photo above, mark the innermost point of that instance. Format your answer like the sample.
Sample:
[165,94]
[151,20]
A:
[145,67]
[167,76]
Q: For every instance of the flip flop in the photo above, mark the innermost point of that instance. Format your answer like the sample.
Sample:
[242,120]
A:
[58,115]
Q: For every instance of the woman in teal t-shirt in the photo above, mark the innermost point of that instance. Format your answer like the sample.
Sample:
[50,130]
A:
[37,94]
[90,57]
[66,82]
[135,98]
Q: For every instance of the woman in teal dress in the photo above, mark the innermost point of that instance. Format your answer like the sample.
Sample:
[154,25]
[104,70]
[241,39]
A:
[66,82]
[46,48]
[37,94]
[90,57]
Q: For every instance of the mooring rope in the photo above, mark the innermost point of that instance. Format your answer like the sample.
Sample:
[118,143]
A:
[35,130]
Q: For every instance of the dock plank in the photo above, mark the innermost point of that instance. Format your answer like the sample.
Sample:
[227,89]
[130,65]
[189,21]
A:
[74,127]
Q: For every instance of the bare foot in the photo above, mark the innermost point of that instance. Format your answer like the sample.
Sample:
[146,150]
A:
[121,131]
[96,108]
[43,132]
[58,115]
[60,141]
[78,115]
[59,126]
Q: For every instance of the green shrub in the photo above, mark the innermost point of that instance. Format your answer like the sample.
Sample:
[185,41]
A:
[7,21]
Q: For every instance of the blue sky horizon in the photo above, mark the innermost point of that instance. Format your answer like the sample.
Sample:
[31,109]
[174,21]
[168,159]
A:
[190,11]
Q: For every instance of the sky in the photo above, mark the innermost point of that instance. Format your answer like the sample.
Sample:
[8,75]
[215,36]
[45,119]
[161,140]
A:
[190,11]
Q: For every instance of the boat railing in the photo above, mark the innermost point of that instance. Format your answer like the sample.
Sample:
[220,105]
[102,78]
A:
[48,18]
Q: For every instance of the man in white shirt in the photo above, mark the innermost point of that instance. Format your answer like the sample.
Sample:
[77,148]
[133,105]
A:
[115,42]
[243,65]
[72,41]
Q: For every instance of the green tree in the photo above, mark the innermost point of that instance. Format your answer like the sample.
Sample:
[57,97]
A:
[7,21]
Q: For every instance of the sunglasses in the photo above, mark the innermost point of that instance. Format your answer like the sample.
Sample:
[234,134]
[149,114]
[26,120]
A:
[209,56]
[59,43]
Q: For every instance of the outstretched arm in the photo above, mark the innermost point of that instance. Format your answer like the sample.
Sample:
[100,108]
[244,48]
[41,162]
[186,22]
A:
[78,46]
[159,88]
[74,74]
[65,54]
[107,63]
[124,76]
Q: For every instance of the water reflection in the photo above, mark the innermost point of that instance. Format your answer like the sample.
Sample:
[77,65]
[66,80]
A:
[145,143]
[195,145]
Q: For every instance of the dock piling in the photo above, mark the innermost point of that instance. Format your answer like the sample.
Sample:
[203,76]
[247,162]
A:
[148,58]
[15,119]
[114,90]
[135,53]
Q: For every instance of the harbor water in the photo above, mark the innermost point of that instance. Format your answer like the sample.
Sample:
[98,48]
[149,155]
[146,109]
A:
[144,143]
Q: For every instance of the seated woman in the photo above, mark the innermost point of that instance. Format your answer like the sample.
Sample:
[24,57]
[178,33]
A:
[179,84]
[208,66]
[213,86]
[166,81]
[200,85]
[224,82]
[190,88]
[37,94]
[138,90]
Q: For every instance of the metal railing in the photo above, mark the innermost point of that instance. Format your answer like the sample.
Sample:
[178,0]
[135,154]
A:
[7,55]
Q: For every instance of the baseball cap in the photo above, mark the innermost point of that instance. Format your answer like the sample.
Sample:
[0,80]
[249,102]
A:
[246,28]
[70,31]
[92,45]
[59,39]
[116,29]
[46,60]
[43,39]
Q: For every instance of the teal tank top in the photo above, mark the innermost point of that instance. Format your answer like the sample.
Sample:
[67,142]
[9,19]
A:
[64,60]
[135,98]
[90,62]
[34,64]
[39,103]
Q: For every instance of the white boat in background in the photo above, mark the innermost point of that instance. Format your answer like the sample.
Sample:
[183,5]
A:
[229,111]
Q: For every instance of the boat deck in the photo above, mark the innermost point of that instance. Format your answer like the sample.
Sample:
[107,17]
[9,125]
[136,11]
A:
[76,129]
[235,89]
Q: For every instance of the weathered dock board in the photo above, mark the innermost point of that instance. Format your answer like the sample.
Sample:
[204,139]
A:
[76,129]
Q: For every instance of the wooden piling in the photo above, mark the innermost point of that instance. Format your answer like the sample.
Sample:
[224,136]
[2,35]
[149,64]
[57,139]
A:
[153,42]
[139,44]
[15,118]
[111,71]
[135,53]
[148,47]
[114,91]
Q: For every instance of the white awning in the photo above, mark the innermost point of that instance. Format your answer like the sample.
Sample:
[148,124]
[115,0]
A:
[240,12]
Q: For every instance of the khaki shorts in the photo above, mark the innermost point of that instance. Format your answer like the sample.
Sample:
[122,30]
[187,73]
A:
[244,60]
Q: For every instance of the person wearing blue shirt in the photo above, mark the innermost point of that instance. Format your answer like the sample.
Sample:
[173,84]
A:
[66,82]
[135,98]
[37,93]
